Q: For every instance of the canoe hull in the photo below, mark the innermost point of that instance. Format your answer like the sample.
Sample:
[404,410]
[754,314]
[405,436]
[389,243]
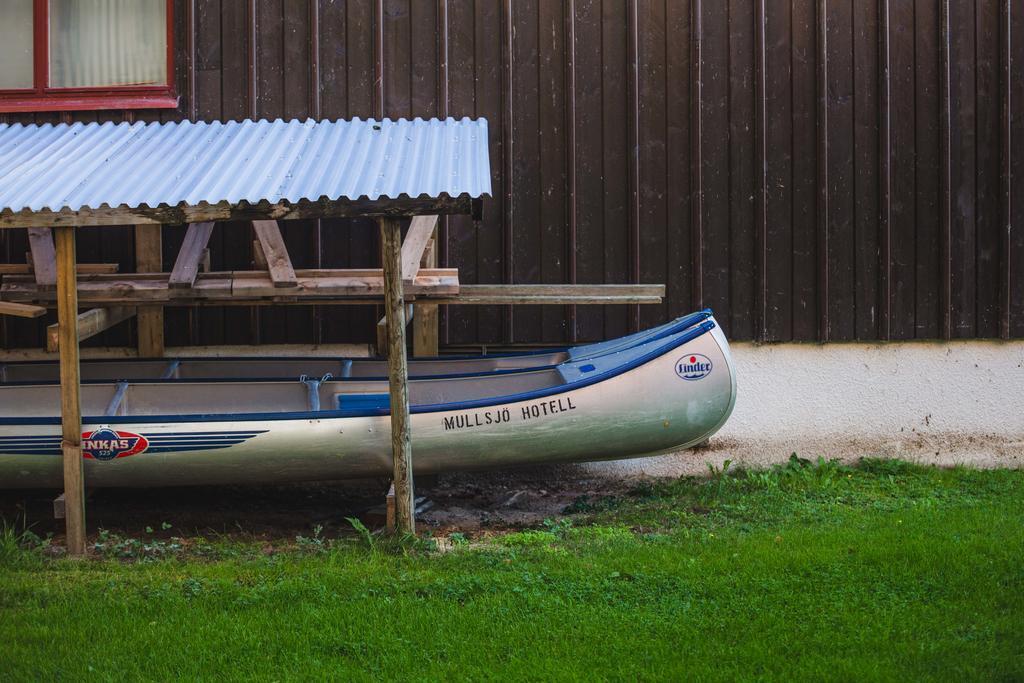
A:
[650,409]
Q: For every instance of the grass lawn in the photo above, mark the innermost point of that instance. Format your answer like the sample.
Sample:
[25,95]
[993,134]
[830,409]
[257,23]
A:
[807,571]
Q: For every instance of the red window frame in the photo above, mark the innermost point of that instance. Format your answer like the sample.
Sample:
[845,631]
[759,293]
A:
[41,97]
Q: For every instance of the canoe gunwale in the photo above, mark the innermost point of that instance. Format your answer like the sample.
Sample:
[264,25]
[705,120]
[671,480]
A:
[675,327]
[675,342]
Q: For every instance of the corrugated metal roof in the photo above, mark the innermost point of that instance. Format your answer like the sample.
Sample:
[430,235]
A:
[72,167]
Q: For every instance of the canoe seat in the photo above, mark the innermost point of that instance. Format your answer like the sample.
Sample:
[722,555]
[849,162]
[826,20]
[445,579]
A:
[355,405]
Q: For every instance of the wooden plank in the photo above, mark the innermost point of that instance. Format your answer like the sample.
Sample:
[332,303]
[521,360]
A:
[71,415]
[90,323]
[238,289]
[186,266]
[398,374]
[149,258]
[259,259]
[21,310]
[421,229]
[560,300]
[275,252]
[44,260]
[232,287]
[217,351]
[177,215]
[82,269]
[568,291]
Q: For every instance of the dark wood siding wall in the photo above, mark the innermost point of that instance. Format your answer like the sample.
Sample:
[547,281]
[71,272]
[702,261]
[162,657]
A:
[811,169]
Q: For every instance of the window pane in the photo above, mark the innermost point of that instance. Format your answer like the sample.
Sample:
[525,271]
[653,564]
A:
[108,43]
[15,44]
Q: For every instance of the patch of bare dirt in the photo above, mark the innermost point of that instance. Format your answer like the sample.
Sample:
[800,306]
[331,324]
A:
[465,502]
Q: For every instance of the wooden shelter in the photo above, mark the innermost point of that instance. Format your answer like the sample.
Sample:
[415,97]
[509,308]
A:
[56,180]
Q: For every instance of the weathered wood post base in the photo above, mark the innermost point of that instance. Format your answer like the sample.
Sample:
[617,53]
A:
[398,372]
[70,404]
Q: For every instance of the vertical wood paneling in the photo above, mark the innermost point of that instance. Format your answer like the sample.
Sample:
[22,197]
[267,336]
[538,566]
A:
[742,265]
[714,159]
[697,152]
[778,183]
[461,247]
[805,199]
[930,224]
[810,169]
[988,106]
[962,199]
[650,236]
[552,224]
[524,229]
[510,149]
[761,169]
[823,213]
[885,167]
[1014,170]
[946,170]
[867,257]
[679,258]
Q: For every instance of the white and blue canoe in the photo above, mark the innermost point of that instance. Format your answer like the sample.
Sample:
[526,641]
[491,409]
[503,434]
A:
[657,394]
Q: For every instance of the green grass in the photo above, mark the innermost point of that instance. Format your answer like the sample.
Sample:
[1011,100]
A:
[887,571]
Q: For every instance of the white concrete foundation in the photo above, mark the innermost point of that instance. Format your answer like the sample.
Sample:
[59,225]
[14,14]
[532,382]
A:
[944,403]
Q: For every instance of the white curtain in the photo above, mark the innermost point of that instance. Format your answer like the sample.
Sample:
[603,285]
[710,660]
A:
[16,42]
[108,43]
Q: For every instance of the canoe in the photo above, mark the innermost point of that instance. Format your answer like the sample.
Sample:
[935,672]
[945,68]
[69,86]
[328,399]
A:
[32,372]
[657,396]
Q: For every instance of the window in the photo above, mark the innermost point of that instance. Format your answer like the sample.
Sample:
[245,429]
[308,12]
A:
[62,55]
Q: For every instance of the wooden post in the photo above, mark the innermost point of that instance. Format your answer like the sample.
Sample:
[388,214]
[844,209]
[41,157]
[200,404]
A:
[149,259]
[424,331]
[70,405]
[398,372]
[425,318]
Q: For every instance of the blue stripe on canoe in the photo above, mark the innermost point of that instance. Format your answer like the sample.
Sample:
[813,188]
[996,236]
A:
[159,443]
[175,437]
[182,449]
[5,439]
[247,432]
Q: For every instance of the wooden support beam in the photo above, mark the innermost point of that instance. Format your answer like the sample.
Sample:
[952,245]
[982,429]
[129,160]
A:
[275,252]
[231,287]
[186,266]
[554,294]
[149,258]
[82,268]
[425,318]
[44,260]
[259,259]
[70,402]
[421,230]
[398,373]
[90,323]
[382,331]
[424,330]
[21,310]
